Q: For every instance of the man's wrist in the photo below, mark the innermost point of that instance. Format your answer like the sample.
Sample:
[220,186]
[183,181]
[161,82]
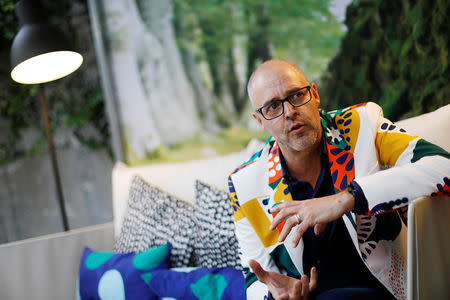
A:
[349,201]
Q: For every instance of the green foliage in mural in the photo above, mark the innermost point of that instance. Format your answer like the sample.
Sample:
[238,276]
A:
[232,37]
[395,53]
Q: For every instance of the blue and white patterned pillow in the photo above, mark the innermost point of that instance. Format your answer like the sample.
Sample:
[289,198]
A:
[200,283]
[120,276]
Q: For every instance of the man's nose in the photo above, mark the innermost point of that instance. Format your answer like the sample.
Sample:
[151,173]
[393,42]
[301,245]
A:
[289,109]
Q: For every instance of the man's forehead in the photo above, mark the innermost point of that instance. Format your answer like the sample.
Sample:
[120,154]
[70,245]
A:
[277,72]
[276,77]
[284,79]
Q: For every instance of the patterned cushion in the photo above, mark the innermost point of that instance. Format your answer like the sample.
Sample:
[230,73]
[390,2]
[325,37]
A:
[155,218]
[108,275]
[202,283]
[215,243]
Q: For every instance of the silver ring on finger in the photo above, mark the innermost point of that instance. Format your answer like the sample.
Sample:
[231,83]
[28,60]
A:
[297,218]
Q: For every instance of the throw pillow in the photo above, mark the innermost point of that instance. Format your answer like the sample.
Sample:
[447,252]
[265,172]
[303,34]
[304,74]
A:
[202,283]
[109,275]
[155,218]
[215,241]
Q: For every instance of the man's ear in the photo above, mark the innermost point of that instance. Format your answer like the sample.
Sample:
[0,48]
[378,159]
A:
[258,118]
[315,93]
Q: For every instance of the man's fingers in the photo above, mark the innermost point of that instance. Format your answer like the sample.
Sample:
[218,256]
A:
[290,223]
[277,220]
[258,270]
[301,229]
[276,208]
[283,297]
[283,214]
[283,211]
[305,287]
[297,290]
[282,205]
[314,278]
[319,228]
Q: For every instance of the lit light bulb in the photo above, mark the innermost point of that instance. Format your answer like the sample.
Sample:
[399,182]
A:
[47,67]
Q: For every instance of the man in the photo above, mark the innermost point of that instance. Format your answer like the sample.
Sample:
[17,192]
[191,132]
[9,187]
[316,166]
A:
[355,173]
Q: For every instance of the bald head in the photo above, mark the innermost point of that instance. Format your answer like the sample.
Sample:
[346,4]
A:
[270,72]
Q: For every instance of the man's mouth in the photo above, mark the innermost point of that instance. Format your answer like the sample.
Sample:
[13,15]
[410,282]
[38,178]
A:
[296,127]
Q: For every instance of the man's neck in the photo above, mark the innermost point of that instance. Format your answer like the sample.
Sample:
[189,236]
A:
[303,165]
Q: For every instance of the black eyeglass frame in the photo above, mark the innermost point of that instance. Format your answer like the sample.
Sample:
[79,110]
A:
[308,87]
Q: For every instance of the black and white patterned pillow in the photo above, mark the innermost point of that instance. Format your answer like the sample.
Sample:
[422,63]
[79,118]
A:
[215,241]
[155,218]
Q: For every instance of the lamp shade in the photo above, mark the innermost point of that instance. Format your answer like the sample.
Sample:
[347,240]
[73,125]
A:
[40,53]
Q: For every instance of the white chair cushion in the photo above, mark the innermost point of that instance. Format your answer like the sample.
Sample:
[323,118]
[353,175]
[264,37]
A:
[433,127]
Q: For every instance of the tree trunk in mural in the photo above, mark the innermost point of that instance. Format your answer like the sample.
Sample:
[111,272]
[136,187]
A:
[203,97]
[156,100]
[260,47]
[220,62]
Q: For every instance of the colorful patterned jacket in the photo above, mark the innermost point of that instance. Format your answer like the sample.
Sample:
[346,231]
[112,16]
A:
[391,166]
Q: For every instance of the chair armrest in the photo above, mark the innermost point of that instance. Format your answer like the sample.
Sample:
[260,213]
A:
[47,267]
[428,248]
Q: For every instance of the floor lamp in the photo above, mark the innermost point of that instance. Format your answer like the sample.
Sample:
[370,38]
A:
[39,54]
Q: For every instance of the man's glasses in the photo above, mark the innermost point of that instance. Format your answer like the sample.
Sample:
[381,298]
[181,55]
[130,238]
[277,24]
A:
[275,108]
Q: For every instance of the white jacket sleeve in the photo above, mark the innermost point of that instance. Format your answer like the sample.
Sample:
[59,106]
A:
[415,167]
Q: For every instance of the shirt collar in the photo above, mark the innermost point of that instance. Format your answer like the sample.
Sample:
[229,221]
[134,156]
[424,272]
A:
[285,170]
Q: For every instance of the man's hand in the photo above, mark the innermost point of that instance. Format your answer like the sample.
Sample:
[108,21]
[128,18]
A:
[315,212]
[285,287]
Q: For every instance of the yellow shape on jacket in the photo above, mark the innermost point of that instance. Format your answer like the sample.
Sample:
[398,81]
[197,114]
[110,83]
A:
[260,222]
[282,193]
[393,145]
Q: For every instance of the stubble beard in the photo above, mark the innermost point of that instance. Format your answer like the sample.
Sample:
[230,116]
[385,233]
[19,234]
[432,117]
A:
[307,140]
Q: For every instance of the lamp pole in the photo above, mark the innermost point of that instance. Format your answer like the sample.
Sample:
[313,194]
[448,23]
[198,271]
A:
[51,147]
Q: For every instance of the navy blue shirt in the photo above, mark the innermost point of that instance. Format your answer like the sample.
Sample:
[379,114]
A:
[332,253]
